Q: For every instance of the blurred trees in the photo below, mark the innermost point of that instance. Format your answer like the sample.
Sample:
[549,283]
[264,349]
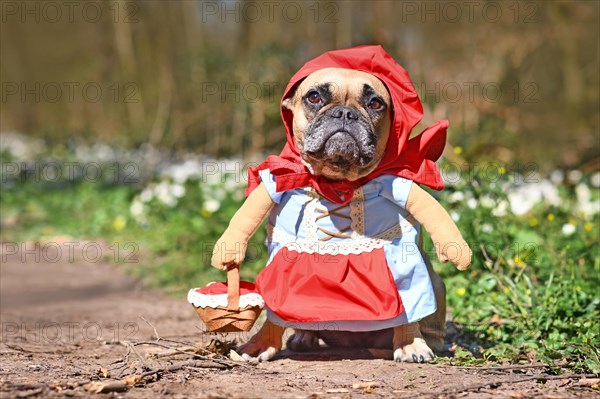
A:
[518,80]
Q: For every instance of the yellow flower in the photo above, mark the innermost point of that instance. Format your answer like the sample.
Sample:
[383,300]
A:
[587,226]
[501,170]
[518,261]
[461,292]
[506,290]
[119,223]
[550,217]
[458,150]
[533,222]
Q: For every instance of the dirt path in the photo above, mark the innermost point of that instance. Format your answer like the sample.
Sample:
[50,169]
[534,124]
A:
[65,325]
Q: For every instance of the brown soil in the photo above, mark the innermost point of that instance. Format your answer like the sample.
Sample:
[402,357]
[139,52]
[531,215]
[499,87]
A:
[68,324]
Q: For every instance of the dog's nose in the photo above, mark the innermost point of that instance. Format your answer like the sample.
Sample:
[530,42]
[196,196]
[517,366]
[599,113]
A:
[341,112]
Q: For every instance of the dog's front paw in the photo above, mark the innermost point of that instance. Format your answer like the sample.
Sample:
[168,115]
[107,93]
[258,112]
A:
[257,352]
[415,352]
[264,345]
[303,341]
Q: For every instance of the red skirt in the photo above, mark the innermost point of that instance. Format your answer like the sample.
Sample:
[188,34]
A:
[303,287]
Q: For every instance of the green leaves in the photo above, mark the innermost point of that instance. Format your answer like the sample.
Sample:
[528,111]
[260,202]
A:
[533,286]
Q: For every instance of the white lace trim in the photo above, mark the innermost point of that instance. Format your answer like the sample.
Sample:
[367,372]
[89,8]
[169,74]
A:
[345,247]
[357,214]
[310,216]
[217,300]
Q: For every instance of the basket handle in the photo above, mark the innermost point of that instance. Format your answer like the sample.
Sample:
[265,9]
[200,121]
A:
[233,287]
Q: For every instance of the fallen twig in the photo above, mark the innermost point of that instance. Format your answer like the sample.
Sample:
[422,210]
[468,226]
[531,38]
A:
[151,325]
[132,346]
[192,354]
[21,349]
[179,366]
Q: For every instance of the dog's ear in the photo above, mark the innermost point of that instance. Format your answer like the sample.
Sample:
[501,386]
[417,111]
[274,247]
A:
[288,103]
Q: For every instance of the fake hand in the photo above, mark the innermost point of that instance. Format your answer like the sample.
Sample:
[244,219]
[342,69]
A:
[229,249]
[455,250]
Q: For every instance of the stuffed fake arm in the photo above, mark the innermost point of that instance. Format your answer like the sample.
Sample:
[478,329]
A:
[231,247]
[449,243]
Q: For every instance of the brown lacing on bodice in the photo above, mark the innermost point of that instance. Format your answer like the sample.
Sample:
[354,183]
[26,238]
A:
[334,212]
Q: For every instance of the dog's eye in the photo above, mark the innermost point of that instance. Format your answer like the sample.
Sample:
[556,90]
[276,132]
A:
[314,97]
[375,104]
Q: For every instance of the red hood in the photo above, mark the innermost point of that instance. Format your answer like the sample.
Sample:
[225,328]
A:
[413,159]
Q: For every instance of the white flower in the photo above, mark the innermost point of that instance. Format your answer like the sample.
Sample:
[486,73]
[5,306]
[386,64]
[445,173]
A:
[583,192]
[163,193]
[21,147]
[589,208]
[147,194]
[167,199]
[181,172]
[568,229]
[520,202]
[487,202]
[212,205]
[585,205]
[487,228]
[501,209]
[456,196]
[136,208]
[557,176]
[472,203]
[455,216]
[549,192]
[574,175]
[526,196]
[177,190]
[595,180]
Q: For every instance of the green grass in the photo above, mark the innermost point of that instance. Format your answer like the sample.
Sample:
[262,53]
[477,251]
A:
[531,292]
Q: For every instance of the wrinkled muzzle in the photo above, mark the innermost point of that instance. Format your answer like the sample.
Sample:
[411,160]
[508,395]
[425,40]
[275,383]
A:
[342,137]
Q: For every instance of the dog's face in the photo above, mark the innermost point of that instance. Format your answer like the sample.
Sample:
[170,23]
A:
[341,122]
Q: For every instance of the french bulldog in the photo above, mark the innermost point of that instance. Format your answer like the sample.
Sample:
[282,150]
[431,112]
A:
[341,124]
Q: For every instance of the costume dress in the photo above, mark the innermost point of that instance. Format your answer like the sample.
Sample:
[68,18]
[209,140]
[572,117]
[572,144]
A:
[344,255]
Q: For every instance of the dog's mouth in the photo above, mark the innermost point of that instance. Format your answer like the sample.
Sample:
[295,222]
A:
[341,149]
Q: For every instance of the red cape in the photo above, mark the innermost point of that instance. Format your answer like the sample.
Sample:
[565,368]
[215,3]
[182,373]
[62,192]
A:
[413,159]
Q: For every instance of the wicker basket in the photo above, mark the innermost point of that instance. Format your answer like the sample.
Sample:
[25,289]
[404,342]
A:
[230,318]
